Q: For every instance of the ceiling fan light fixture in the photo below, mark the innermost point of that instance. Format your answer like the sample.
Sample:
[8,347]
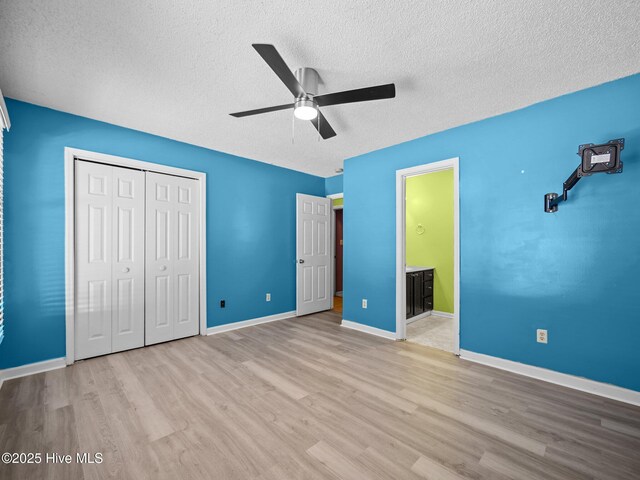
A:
[305,109]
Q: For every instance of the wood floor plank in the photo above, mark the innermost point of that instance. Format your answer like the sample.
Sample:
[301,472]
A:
[431,470]
[341,466]
[276,380]
[490,428]
[305,398]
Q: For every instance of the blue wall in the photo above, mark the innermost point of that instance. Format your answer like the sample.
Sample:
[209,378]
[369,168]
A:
[575,272]
[250,225]
[333,185]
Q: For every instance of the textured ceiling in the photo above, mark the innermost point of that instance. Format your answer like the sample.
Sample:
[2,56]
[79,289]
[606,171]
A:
[177,69]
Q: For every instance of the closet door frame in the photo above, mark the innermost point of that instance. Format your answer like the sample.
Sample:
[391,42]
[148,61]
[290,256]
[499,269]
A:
[70,157]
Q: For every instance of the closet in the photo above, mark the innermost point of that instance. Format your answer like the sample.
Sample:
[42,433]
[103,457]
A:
[137,258]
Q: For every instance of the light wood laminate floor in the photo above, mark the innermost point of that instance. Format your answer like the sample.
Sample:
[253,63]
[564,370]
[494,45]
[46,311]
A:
[307,399]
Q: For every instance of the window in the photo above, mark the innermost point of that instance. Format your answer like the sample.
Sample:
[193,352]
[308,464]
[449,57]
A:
[1,235]
[4,124]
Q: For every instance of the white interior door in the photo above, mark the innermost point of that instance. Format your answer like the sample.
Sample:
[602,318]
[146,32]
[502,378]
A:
[172,258]
[313,254]
[109,259]
[127,266]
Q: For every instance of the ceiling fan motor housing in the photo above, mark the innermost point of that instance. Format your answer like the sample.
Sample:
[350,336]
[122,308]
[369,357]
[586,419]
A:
[308,79]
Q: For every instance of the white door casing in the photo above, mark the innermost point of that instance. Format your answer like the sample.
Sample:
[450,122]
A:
[172,264]
[109,259]
[313,279]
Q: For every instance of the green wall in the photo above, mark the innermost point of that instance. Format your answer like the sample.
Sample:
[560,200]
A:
[430,204]
[336,202]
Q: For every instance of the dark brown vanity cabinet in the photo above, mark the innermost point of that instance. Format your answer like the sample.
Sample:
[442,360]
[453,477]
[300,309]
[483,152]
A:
[419,291]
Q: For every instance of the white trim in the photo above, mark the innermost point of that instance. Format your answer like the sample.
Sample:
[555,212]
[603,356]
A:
[70,254]
[31,369]
[367,329]
[70,154]
[248,323]
[401,303]
[419,317]
[333,241]
[332,247]
[5,122]
[570,381]
[442,314]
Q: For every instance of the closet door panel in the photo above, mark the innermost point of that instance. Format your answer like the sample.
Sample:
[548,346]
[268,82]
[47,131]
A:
[172,268]
[159,298]
[128,259]
[186,264]
[93,296]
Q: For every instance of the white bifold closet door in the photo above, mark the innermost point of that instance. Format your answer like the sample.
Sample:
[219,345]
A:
[109,259]
[172,257]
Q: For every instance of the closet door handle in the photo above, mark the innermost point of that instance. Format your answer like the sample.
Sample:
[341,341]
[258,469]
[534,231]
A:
[125,270]
[163,268]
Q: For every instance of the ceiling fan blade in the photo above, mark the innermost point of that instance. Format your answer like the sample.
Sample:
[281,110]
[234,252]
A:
[262,110]
[358,95]
[323,126]
[277,64]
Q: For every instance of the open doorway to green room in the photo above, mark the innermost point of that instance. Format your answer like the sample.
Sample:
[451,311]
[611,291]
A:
[428,255]
[337,209]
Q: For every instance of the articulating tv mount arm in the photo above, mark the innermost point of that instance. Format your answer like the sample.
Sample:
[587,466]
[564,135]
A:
[604,158]
[552,200]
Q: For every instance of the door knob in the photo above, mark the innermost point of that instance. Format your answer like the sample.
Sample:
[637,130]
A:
[125,270]
[163,268]
[301,261]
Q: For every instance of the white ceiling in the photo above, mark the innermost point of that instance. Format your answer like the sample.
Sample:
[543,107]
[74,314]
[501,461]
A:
[177,69]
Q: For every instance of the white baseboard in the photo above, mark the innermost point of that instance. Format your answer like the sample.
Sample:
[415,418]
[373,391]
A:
[31,368]
[419,317]
[367,329]
[247,323]
[577,383]
[442,314]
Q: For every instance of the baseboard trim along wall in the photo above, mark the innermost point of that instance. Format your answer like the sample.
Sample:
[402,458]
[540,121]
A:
[227,327]
[442,314]
[31,368]
[367,329]
[419,317]
[577,383]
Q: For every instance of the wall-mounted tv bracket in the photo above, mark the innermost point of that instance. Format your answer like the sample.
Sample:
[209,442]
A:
[603,158]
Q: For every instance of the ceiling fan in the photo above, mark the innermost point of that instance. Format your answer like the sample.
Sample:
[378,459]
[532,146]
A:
[303,84]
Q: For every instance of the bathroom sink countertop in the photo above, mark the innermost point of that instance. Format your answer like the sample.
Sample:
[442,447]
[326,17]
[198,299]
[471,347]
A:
[411,269]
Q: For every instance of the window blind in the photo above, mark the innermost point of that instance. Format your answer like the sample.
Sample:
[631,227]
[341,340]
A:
[4,124]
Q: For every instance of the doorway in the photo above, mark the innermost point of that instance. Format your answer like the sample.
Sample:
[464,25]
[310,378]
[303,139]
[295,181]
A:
[427,255]
[337,229]
[339,241]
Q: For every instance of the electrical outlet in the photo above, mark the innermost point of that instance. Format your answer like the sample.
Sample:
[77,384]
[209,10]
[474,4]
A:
[268,297]
[541,336]
[364,303]
[222,303]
